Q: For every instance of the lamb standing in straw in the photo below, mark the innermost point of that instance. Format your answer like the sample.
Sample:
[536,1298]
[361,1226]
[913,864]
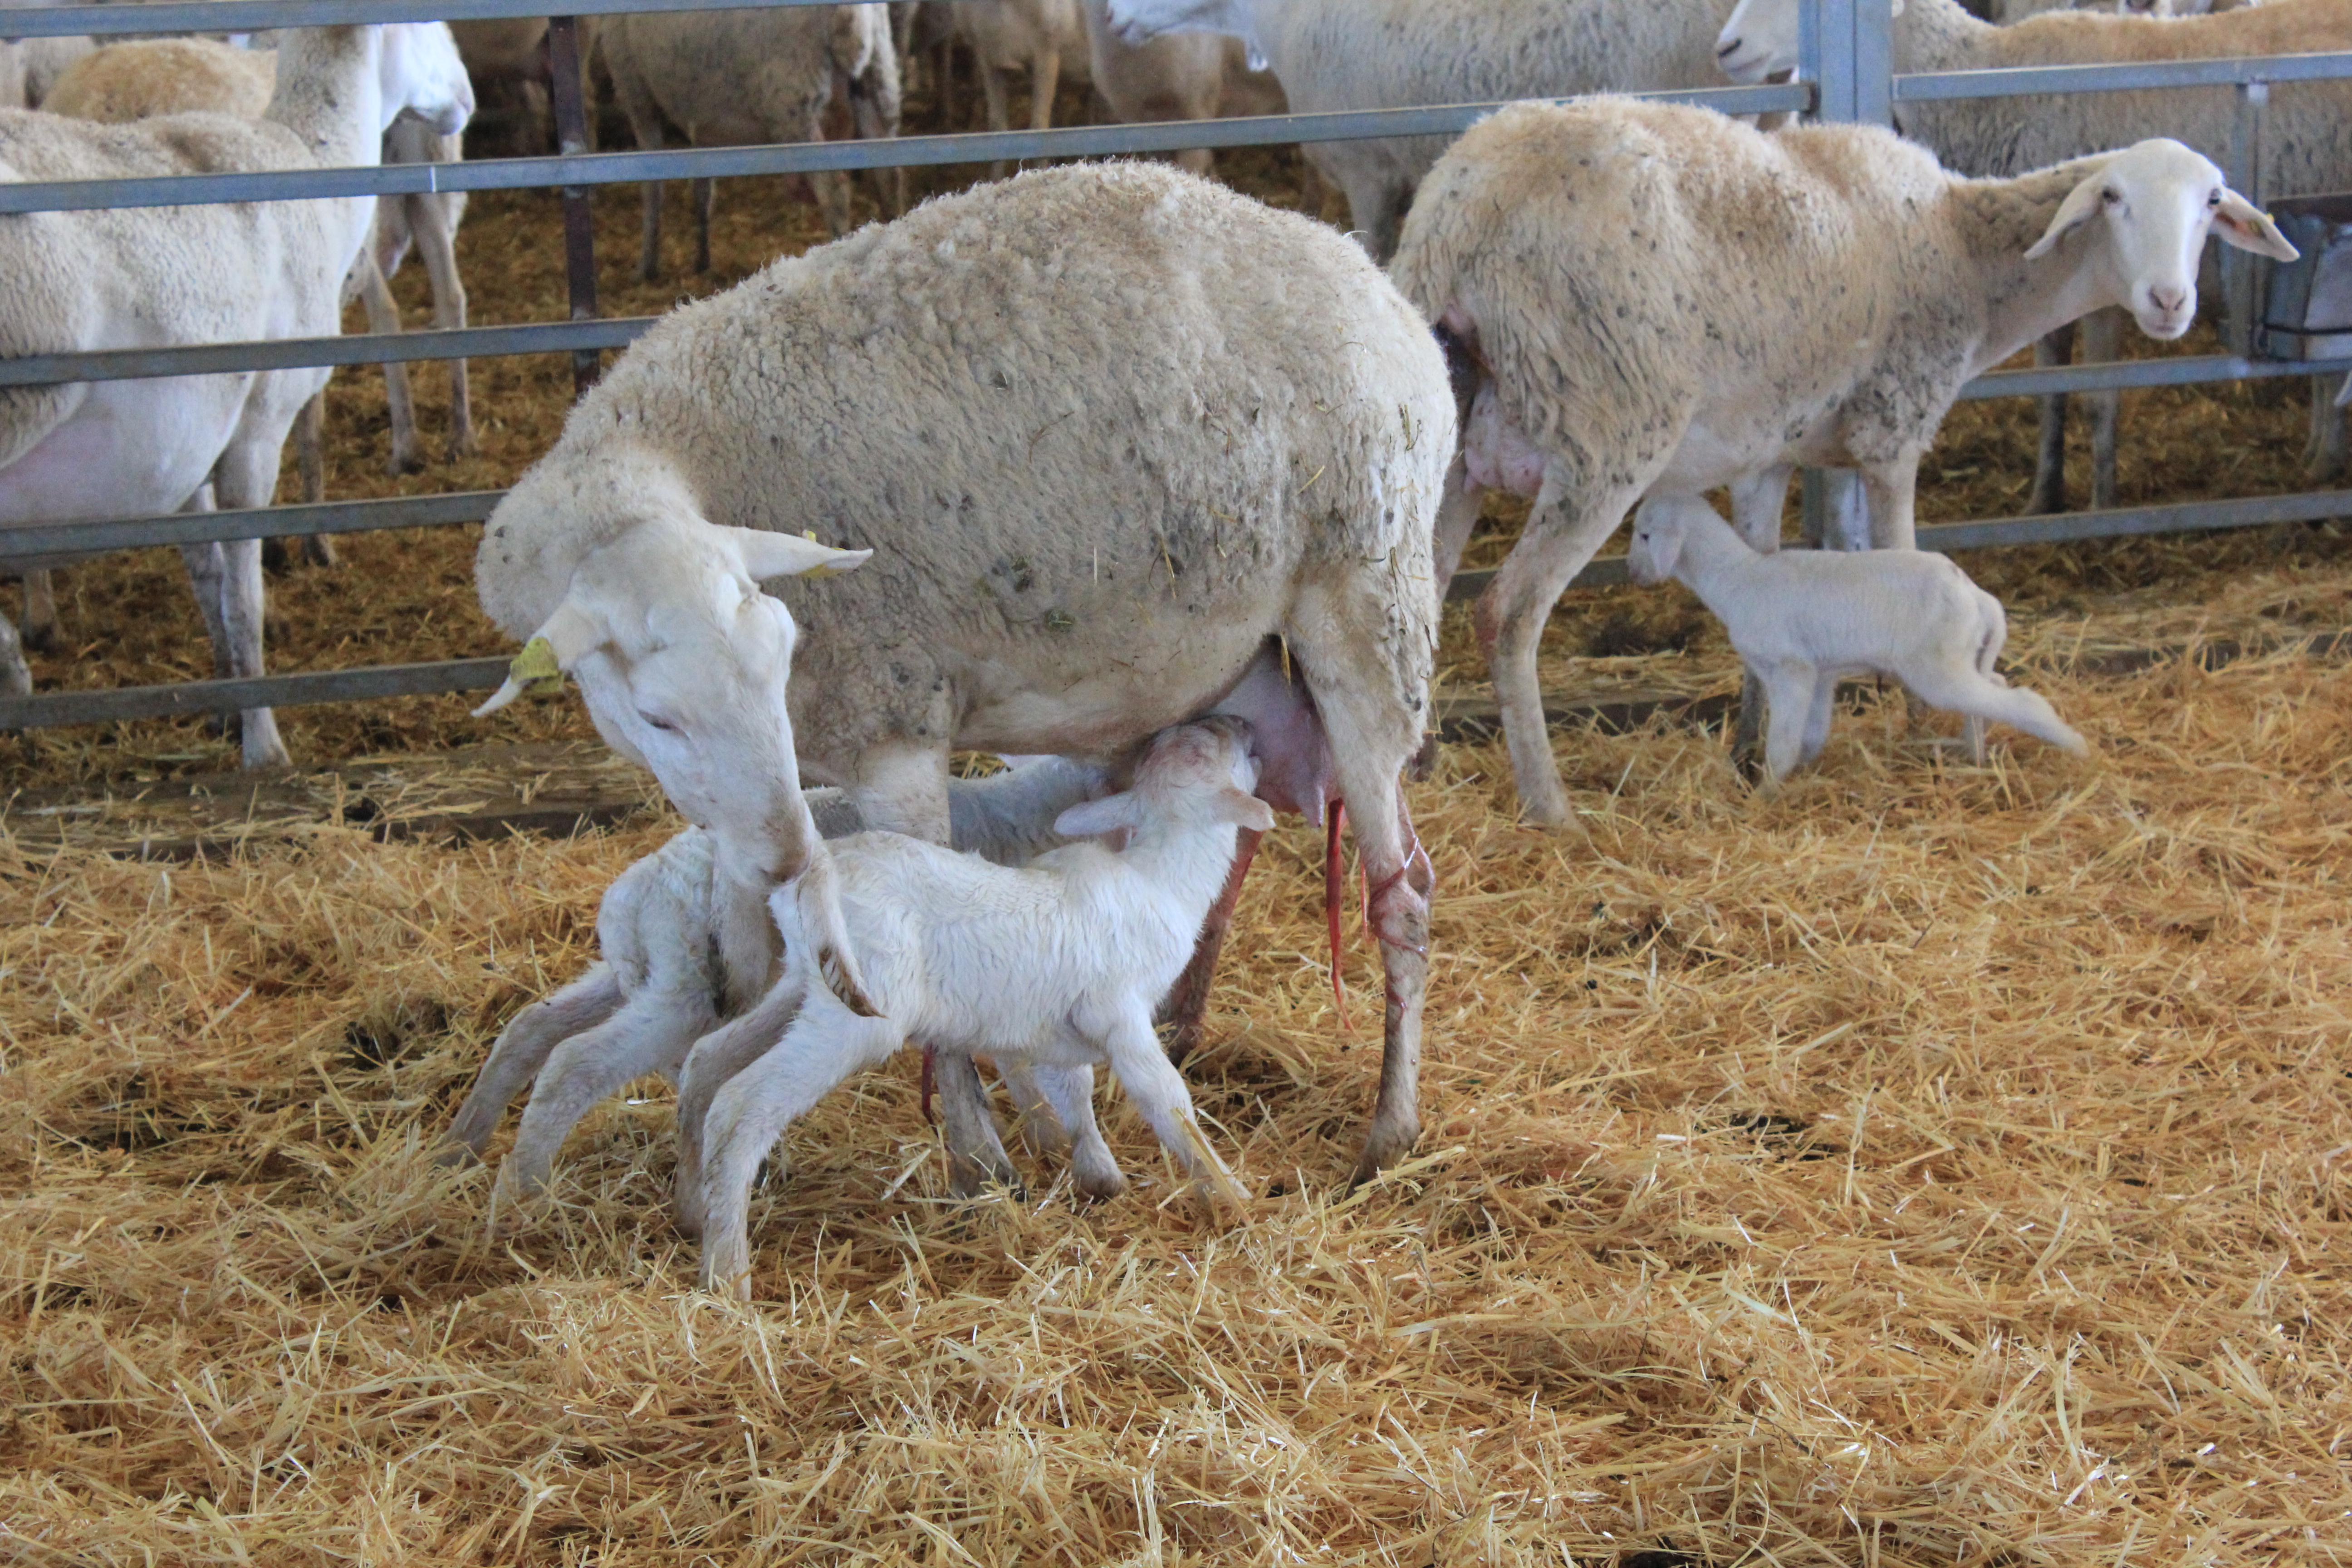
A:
[1804,618]
[1060,961]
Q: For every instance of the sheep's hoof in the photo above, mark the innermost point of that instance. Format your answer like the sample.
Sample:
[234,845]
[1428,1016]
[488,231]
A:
[1424,761]
[43,638]
[404,463]
[463,444]
[1383,1147]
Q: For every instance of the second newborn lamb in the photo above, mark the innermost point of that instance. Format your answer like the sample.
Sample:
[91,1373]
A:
[1803,619]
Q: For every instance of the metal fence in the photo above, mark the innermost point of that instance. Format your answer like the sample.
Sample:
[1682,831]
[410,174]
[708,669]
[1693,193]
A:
[1844,75]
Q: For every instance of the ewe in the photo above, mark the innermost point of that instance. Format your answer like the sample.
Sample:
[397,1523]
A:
[1805,619]
[1660,301]
[1059,962]
[158,277]
[1109,430]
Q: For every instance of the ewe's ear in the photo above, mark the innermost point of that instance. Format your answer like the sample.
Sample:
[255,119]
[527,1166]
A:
[2081,206]
[566,637]
[768,556]
[2238,222]
[1094,818]
[1245,810]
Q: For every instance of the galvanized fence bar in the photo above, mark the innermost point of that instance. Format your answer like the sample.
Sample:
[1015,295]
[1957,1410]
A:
[356,348]
[258,16]
[26,547]
[2028,81]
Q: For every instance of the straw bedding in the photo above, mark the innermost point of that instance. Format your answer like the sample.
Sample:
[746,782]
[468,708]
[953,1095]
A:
[1932,1165]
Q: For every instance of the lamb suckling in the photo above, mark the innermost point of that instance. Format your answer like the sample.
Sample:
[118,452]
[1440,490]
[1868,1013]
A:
[732,78]
[158,277]
[660,982]
[1060,961]
[1802,619]
[1334,55]
[1067,559]
[1661,300]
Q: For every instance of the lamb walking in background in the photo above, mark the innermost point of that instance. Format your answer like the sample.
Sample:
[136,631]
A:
[1804,618]
[1061,963]
[1658,300]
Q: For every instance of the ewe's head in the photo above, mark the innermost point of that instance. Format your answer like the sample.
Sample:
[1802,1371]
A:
[422,76]
[1660,525]
[1191,775]
[684,663]
[2152,204]
[1141,21]
[1759,40]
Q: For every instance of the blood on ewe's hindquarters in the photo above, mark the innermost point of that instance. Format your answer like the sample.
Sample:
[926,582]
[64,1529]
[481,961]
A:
[1061,962]
[1850,285]
[1107,429]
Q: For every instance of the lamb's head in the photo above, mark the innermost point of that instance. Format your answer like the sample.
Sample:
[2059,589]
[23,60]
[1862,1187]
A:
[1660,526]
[1191,776]
[684,662]
[2154,203]
[1759,40]
[422,76]
[1141,21]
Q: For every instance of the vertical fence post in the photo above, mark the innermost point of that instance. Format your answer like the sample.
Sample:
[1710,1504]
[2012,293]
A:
[1845,46]
[565,68]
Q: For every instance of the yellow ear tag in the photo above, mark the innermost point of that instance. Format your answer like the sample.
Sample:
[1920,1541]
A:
[817,574]
[535,668]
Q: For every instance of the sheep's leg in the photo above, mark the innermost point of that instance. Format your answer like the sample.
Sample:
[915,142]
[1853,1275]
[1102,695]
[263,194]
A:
[711,1063]
[2054,349]
[1158,1091]
[1789,691]
[437,247]
[247,476]
[522,1047]
[2103,342]
[999,112]
[1045,81]
[1458,520]
[826,1045]
[15,674]
[41,633]
[311,468]
[706,197]
[384,316]
[1759,502]
[650,1034]
[1042,1127]
[2327,453]
[876,99]
[1819,712]
[650,137]
[976,1156]
[1563,532]
[1071,1093]
[1966,691]
[1187,1004]
[1891,490]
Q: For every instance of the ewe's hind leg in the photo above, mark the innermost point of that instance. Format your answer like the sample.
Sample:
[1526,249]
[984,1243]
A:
[826,1045]
[1562,535]
[652,1033]
[1159,1093]
[1187,1004]
[247,476]
[522,1047]
[2049,455]
[384,316]
[41,633]
[711,1063]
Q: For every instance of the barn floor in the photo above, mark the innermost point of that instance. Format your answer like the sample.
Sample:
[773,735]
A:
[1931,1165]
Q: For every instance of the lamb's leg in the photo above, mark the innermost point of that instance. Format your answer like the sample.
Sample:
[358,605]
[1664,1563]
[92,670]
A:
[41,633]
[1788,690]
[826,1045]
[976,1157]
[706,197]
[1759,504]
[1042,1128]
[15,674]
[2103,342]
[1562,535]
[2325,453]
[437,247]
[710,1064]
[1966,692]
[1187,1004]
[1071,1093]
[650,1034]
[247,476]
[2049,457]
[1818,713]
[524,1045]
[1158,1090]
[384,316]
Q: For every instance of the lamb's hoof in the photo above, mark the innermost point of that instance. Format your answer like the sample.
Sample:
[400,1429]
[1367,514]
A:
[1098,1189]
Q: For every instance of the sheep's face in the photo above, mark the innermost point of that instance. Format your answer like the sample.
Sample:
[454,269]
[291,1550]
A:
[2152,205]
[1759,41]
[1141,21]
[684,661]
[1191,775]
[422,75]
[1657,542]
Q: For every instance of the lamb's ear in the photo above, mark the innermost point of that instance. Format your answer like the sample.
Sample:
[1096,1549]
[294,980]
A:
[1245,810]
[2081,206]
[1094,818]
[559,644]
[2238,222]
[768,556]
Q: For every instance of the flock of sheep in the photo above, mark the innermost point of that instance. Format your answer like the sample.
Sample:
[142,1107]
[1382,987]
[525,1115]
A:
[1148,485]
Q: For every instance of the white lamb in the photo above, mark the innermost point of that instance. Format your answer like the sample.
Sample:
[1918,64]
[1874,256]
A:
[1801,619]
[1060,961]
[660,984]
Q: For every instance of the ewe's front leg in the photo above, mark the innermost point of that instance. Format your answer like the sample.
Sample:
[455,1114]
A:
[1563,532]
[522,1048]
[651,1035]
[2050,455]
[2103,343]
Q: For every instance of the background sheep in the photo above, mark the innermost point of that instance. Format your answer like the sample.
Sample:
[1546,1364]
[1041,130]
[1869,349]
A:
[1062,960]
[737,77]
[158,275]
[1040,37]
[1663,301]
[1176,75]
[1332,55]
[1109,429]
[1806,618]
